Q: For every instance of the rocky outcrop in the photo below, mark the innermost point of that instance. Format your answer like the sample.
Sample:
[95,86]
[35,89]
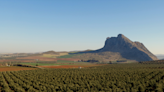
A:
[127,48]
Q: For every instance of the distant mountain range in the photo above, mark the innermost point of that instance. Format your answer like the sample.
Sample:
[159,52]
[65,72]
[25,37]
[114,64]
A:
[160,56]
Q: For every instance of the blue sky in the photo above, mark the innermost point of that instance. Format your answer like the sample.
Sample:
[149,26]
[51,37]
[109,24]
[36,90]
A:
[65,25]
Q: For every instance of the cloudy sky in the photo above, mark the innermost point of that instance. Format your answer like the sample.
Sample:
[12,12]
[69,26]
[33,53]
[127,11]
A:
[66,25]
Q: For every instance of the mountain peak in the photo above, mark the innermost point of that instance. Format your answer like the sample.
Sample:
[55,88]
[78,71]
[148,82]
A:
[120,35]
[127,48]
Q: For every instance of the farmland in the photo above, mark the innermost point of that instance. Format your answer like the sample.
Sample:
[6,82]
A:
[108,78]
[14,68]
[59,62]
[72,66]
[54,55]
[34,64]
[64,75]
[69,55]
[40,59]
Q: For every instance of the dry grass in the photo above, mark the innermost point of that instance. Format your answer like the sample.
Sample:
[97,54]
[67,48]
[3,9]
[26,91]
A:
[54,55]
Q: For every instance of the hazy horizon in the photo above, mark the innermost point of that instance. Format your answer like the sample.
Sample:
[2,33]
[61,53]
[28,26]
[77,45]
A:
[37,26]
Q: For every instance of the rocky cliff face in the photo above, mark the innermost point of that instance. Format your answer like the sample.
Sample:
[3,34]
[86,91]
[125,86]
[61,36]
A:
[127,49]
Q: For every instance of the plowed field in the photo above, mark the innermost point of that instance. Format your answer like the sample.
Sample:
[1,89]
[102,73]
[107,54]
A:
[12,68]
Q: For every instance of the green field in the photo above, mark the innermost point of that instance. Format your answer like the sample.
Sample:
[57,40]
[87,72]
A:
[39,64]
[64,61]
[77,63]
[45,64]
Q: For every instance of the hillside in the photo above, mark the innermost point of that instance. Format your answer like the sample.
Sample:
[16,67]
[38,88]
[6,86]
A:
[120,48]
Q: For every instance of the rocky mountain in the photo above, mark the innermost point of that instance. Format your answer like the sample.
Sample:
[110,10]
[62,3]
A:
[124,48]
